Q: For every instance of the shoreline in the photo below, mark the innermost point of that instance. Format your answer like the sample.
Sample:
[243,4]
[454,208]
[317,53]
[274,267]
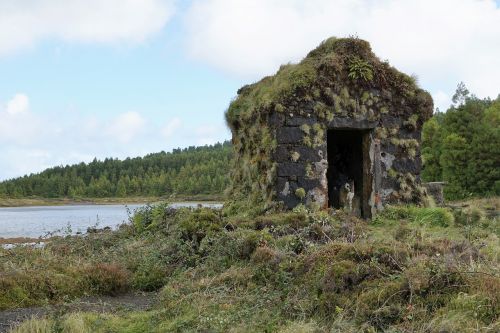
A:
[20,240]
[31,202]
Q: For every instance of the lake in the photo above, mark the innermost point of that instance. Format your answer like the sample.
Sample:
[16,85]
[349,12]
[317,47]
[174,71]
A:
[38,221]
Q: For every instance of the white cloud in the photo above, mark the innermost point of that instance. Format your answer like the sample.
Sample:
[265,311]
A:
[443,42]
[170,127]
[442,100]
[25,22]
[17,124]
[209,134]
[18,104]
[21,161]
[126,126]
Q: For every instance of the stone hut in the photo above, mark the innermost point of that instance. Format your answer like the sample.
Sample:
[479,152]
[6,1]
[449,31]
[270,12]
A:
[340,116]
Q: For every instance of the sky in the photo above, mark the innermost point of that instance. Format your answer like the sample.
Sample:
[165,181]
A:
[115,78]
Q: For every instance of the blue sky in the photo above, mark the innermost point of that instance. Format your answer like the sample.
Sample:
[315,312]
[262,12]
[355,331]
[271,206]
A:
[84,78]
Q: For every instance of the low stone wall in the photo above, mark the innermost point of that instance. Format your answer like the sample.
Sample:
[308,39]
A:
[435,190]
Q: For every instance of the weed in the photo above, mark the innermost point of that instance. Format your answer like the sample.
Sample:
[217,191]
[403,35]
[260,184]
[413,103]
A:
[360,69]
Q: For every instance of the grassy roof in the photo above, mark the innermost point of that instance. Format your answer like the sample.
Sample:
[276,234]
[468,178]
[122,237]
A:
[336,63]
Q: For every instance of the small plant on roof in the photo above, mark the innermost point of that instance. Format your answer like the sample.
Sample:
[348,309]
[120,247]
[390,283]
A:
[360,69]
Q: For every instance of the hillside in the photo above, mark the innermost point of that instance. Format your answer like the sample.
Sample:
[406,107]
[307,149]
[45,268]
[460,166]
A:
[193,170]
[411,270]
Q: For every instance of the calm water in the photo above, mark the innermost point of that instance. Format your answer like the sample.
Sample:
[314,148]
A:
[38,221]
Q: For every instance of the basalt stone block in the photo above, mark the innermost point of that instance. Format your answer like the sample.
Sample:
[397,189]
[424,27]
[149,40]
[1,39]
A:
[276,120]
[389,183]
[299,121]
[291,201]
[405,165]
[288,169]
[391,121]
[390,148]
[289,135]
[288,197]
[417,135]
[282,187]
[418,162]
[309,154]
[281,154]
[359,123]
[308,183]
[404,133]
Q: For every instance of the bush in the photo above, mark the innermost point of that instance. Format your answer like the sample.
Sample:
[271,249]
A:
[469,216]
[150,275]
[195,225]
[437,217]
[11,293]
[151,216]
[106,279]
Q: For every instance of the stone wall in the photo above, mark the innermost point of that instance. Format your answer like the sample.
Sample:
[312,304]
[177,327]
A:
[435,190]
[394,166]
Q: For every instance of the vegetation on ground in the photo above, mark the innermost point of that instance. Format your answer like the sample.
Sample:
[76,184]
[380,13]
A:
[462,147]
[410,269]
[182,172]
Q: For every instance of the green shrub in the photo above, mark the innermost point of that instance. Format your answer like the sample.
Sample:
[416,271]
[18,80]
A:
[11,294]
[150,216]
[195,225]
[439,217]
[151,274]
[433,216]
[469,216]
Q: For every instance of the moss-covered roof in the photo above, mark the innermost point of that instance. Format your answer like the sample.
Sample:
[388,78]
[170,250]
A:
[341,73]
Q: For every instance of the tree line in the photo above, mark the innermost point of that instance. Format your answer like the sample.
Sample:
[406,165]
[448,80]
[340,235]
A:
[193,170]
[462,146]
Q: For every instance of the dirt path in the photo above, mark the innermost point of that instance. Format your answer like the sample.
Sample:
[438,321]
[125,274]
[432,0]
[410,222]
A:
[102,304]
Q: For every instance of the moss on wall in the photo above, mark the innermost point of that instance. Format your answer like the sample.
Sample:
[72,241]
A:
[341,78]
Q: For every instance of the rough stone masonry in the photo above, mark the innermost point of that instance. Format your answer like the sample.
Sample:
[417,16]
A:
[340,120]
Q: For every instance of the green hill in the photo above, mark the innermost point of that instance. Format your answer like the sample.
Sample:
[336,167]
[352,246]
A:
[193,170]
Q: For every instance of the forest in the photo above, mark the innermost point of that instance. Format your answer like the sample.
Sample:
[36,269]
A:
[193,170]
[462,147]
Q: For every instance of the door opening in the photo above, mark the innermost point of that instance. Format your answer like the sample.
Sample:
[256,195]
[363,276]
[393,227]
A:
[349,166]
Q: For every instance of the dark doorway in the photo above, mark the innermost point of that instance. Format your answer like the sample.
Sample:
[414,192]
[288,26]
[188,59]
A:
[349,163]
